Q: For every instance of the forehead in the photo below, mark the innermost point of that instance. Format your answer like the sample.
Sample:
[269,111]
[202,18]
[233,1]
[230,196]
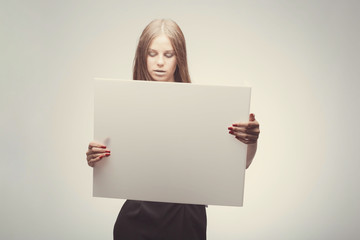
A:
[161,42]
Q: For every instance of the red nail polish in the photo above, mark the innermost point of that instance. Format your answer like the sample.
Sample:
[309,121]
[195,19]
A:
[103,146]
[107,151]
[230,128]
[107,154]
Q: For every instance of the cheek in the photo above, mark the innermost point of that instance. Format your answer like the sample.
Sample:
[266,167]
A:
[174,64]
[149,65]
[148,61]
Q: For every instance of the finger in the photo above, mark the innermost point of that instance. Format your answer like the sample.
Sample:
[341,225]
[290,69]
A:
[244,136]
[241,124]
[252,131]
[91,162]
[96,144]
[94,160]
[97,150]
[252,117]
[94,156]
[253,124]
[246,124]
[98,158]
[237,129]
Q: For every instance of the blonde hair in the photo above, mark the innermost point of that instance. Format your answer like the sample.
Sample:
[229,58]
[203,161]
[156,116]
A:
[177,39]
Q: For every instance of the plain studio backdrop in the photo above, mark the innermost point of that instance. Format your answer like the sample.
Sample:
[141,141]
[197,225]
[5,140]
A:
[300,57]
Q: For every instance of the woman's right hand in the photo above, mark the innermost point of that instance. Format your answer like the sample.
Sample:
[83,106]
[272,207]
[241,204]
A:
[96,152]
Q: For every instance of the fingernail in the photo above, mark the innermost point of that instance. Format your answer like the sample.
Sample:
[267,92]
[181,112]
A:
[107,151]
[107,154]
[103,146]
[230,128]
[231,132]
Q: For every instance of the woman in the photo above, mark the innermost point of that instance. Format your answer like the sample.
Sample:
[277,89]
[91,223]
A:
[161,56]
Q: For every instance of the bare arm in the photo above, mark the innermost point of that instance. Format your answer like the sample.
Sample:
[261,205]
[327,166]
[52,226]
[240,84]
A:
[251,150]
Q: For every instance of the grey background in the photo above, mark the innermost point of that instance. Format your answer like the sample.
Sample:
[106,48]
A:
[301,58]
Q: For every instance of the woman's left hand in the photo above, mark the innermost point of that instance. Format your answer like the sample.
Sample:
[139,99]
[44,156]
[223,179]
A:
[246,132]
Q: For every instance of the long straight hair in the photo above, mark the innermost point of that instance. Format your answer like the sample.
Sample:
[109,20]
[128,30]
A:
[177,39]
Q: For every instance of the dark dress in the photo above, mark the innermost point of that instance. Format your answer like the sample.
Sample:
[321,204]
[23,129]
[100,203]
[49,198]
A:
[140,220]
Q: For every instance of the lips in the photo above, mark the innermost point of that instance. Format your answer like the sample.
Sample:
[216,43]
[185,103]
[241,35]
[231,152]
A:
[159,72]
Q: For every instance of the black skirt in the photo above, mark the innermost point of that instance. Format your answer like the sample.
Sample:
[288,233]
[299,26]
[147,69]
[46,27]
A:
[140,220]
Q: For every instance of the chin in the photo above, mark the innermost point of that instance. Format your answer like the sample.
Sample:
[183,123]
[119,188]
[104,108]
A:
[161,79]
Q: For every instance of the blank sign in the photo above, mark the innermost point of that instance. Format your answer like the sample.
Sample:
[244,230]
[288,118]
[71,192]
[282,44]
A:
[169,142]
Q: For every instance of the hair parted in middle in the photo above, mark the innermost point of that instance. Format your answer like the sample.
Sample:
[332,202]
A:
[177,39]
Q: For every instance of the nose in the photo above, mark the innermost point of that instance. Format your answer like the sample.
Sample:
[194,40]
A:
[160,61]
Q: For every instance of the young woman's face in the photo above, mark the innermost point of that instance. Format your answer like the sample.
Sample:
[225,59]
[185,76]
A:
[161,59]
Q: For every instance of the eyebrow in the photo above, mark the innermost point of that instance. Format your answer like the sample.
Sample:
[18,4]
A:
[166,51]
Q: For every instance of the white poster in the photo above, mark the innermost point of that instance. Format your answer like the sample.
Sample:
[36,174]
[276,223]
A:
[169,142]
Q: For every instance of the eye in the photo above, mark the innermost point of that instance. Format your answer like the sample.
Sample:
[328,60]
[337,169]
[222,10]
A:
[169,55]
[152,53]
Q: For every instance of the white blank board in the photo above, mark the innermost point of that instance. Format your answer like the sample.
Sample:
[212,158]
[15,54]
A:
[169,142]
